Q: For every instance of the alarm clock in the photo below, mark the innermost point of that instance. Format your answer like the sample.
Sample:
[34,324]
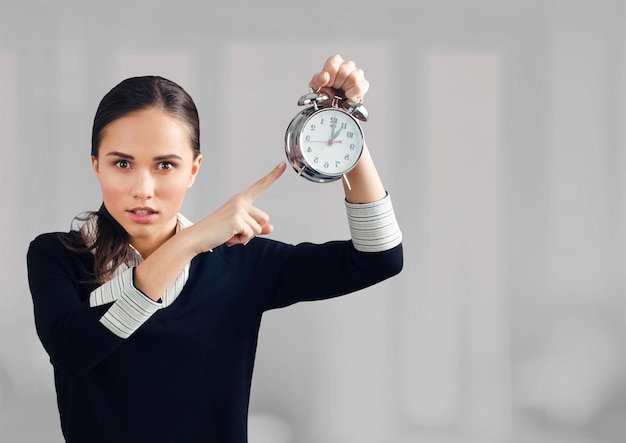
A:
[325,141]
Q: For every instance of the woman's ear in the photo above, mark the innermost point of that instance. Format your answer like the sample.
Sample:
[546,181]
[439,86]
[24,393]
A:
[195,168]
[94,165]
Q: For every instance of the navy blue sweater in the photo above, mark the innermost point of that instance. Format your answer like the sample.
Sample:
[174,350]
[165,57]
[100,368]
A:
[185,374]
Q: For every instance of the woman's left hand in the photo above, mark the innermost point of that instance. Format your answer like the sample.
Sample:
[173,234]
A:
[342,78]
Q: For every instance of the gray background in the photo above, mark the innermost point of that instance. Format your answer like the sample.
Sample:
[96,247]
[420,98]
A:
[498,128]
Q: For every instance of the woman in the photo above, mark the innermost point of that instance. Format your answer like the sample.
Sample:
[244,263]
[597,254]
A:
[150,321]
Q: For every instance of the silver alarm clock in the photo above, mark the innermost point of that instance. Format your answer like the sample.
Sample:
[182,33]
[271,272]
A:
[325,141]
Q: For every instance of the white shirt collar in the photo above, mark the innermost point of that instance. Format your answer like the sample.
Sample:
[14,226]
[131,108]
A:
[89,232]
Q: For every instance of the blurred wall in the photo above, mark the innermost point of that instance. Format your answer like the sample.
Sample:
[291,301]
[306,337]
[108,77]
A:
[498,128]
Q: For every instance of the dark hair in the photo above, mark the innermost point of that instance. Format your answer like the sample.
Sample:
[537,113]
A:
[137,93]
[110,243]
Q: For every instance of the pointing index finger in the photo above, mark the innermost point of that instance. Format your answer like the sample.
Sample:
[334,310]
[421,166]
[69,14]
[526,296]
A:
[261,185]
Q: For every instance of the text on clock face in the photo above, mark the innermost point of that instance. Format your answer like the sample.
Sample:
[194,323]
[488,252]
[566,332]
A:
[331,141]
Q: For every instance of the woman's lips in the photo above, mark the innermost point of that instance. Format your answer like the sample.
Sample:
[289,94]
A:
[142,215]
[142,212]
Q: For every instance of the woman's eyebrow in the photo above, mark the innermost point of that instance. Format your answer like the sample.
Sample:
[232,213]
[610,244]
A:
[157,158]
[167,157]
[121,154]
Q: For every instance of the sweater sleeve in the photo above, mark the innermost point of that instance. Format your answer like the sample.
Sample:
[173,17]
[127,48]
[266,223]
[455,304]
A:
[69,329]
[319,271]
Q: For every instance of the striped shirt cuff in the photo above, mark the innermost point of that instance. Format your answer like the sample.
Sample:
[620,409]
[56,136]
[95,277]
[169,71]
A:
[131,308]
[373,226]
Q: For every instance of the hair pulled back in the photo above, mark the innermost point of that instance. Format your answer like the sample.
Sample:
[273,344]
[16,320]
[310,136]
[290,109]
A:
[100,233]
[137,93]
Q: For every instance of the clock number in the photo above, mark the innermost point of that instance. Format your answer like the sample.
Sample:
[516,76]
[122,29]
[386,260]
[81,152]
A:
[312,127]
[309,149]
[307,138]
[326,165]
[350,134]
[344,125]
[352,146]
[337,163]
[346,157]
[322,121]
[316,160]
[333,120]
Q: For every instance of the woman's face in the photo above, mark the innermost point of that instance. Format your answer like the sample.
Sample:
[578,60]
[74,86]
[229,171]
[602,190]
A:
[145,165]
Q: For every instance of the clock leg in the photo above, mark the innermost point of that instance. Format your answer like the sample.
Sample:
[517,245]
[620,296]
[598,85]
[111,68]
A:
[345,179]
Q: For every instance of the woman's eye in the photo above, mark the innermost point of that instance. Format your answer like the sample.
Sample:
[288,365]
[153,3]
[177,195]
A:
[165,166]
[124,164]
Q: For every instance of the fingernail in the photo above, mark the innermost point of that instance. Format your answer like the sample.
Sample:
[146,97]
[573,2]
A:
[281,165]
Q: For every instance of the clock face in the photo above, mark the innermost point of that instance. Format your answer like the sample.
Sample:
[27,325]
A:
[331,142]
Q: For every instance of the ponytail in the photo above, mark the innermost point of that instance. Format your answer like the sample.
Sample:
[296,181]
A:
[99,234]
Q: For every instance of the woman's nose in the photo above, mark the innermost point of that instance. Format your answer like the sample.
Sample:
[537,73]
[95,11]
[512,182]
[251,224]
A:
[143,186]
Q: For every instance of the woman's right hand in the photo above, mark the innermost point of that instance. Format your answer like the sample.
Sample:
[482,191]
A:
[237,221]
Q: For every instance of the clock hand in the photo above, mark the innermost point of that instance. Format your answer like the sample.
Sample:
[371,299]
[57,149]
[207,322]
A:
[337,134]
[330,142]
[332,132]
